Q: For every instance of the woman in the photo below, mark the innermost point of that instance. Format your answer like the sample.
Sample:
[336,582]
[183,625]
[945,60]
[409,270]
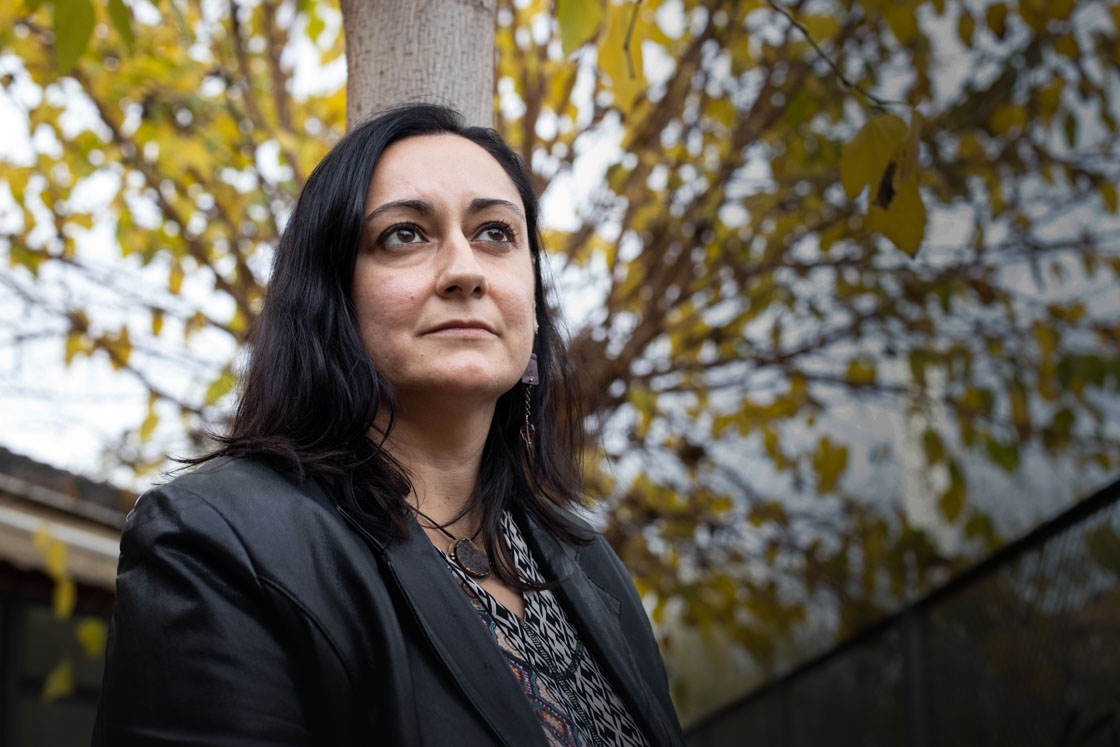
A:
[382,550]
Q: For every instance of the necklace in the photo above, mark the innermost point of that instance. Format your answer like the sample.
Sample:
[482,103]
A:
[463,551]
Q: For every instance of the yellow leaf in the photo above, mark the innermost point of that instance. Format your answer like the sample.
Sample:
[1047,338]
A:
[54,552]
[996,17]
[970,148]
[315,25]
[821,28]
[966,27]
[41,538]
[908,154]
[904,221]
[193,153]
[829,461]
[150,422]
[1066,45]
[175,280]
[157,322]
[219,387]
[861,371]
[194,324]
[17,182]
[59,682]
[622,63]
[119,348]
[1059,9]
[723,111]
[1108,194]
[578,21]
[833,233]
[85,220]
[1049,98]
[73,345]
[951,502]
[864,159]
[73,26]
[903,22]
[91,633]
[1006,117]
[65,595]
[121,17]
[1020,410]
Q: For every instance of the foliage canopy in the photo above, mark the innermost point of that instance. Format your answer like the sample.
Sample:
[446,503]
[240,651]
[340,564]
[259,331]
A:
[847,261]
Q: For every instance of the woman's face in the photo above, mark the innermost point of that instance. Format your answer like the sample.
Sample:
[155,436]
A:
[443,283]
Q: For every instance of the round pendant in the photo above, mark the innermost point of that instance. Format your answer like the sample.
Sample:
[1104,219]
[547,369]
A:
[467,556]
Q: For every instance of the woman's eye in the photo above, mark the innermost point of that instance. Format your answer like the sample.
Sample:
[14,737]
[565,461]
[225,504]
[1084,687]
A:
[496,233]
[400,235]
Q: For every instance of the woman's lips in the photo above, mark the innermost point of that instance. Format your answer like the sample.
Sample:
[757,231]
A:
[469,332]
[468,328]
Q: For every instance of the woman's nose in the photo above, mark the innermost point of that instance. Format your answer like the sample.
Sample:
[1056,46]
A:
[460,272]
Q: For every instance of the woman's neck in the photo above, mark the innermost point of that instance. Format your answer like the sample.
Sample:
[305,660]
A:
[442,452]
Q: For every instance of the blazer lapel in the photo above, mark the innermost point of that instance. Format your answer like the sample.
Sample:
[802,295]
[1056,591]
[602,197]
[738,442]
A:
[456,634]
[595,613]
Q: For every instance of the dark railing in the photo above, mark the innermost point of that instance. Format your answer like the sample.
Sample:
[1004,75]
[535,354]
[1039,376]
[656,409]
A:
[1022,649]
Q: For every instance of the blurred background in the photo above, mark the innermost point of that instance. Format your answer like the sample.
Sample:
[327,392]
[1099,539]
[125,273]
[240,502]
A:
[841,277]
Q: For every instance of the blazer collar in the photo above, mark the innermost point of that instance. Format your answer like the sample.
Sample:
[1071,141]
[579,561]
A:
[465,646]
[453,630]
[596,614]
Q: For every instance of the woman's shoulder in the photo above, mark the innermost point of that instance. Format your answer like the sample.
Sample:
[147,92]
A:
[237,502]
[226,476]
[232,486]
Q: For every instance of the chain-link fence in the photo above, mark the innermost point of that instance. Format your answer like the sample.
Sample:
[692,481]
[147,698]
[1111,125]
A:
[1024,649]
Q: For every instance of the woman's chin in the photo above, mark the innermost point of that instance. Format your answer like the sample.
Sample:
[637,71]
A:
[462,387]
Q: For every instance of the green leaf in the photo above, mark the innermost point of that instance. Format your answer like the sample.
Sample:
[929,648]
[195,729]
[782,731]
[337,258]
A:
[122,21]
[73,26]
[864,160]
[578,21]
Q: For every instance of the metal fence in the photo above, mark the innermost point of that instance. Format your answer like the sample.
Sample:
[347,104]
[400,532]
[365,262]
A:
[1023,649]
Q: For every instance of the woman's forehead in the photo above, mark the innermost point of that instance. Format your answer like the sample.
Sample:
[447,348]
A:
[439,168]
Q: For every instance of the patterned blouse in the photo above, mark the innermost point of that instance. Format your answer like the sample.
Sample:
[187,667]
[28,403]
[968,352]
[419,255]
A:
[573,701]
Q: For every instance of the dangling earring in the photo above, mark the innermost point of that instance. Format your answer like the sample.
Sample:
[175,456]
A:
[529,379]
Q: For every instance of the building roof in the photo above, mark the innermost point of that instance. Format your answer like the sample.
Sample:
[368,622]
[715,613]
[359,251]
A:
[39,501]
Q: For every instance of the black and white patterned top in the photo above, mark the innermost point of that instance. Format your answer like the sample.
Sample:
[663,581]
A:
[573,701]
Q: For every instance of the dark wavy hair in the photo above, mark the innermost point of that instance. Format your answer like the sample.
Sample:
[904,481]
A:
[310,392]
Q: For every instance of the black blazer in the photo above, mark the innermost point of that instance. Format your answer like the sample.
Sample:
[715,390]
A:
[250,611]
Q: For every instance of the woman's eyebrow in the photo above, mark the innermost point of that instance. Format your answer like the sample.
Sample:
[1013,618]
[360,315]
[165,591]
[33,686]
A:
[479,204]
[421,206]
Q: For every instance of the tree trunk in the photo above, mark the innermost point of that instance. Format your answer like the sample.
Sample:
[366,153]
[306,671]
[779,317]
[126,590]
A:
[402,51]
